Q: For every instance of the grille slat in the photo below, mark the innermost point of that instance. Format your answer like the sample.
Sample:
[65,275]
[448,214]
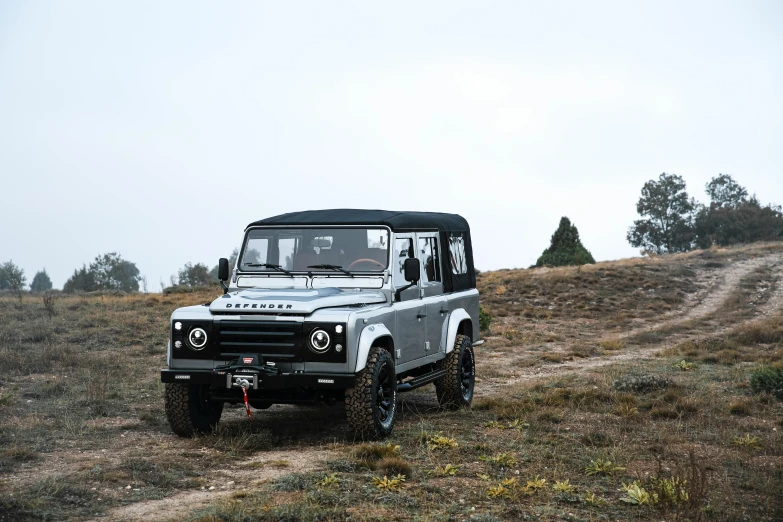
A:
[260,334]
[237,343]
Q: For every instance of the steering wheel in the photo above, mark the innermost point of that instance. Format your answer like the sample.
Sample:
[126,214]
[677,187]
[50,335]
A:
[365,260]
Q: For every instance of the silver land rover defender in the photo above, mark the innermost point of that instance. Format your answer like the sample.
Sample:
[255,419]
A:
[331,305]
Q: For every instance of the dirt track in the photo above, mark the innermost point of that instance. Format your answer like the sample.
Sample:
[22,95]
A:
[227,481]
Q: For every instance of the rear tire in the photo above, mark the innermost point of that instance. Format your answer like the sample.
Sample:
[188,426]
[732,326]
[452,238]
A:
[190,410]
[371,405]
[455,389]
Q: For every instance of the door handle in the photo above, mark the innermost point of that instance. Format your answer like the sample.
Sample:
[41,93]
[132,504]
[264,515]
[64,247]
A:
[444,311]
[420,316]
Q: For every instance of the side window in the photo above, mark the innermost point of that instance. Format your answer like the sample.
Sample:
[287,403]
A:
[402,251]
[459,264]
[430,264]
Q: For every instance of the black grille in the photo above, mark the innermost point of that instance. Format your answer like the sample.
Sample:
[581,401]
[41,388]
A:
[272,339]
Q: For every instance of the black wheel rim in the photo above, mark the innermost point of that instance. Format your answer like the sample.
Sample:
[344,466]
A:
[384,395]
[467,373]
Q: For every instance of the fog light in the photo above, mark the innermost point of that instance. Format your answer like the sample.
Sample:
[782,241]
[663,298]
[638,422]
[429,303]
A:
[338,348]
[177,344]
[338,328]
[178,326]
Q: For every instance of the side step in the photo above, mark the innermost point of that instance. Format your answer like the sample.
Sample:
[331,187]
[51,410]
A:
[420,381]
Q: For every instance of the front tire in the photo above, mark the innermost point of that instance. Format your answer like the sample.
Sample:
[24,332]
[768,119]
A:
[371,405]
[190,410]
[455,389]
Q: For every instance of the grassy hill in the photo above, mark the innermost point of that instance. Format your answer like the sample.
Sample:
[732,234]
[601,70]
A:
[590,379]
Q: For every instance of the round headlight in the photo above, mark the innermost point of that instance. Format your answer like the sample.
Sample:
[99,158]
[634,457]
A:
[319,340]
[197,338]
[178,326]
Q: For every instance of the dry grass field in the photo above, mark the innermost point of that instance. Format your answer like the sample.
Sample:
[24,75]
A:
[618,391]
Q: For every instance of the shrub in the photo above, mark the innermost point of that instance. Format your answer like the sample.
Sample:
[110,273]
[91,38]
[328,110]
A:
[602,467]
[48,302]
[503,460]
[294,482]
[375,452]
[194,275]
[389,484]
[11,277]
[612,344]
[485,319]
[767,379]
[107,272]
[439,441]
[744,222]
[393,466]
[449,470]
[664,412]
[740,407]
[640,383]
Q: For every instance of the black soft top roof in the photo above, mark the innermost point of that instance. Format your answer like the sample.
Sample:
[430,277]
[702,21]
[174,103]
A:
[392,219]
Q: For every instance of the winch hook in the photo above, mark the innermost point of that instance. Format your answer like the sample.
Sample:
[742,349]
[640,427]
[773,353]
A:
[244,384]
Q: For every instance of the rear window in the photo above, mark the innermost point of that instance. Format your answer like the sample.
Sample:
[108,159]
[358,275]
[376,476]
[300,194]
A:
[459,264]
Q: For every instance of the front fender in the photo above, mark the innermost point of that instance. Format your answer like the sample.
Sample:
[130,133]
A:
[367,338]
[455,318]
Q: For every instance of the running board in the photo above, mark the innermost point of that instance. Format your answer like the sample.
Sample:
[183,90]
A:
[420,381]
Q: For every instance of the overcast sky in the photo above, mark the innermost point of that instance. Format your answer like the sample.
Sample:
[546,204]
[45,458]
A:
[161,129]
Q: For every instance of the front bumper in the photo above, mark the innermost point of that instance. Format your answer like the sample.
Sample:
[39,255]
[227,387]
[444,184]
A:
[217,379]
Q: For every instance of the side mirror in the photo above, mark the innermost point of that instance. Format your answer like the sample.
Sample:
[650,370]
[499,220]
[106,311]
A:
[223,269]
[412,270]
[223,273]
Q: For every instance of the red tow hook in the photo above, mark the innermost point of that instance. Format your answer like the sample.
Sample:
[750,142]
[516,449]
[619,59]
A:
[244,392]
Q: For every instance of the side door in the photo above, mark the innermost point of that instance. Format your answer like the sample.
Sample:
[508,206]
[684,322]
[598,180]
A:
[410,327]
[435,303]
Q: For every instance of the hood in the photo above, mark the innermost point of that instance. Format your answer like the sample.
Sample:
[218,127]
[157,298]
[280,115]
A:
[292,300]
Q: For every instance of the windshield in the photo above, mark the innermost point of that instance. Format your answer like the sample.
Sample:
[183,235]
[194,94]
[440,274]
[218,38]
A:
[326,249]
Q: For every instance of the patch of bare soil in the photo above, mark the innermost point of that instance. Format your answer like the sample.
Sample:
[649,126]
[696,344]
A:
[246,473]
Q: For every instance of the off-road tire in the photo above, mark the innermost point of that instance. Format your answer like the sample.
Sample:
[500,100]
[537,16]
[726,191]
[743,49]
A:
[449,388]
[189,409]
[365,418]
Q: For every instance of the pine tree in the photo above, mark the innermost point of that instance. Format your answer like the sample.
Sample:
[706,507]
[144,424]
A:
[41,282]
[566,248]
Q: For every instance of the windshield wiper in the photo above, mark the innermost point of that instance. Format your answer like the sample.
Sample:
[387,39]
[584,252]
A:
[270,265]
[338,268]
